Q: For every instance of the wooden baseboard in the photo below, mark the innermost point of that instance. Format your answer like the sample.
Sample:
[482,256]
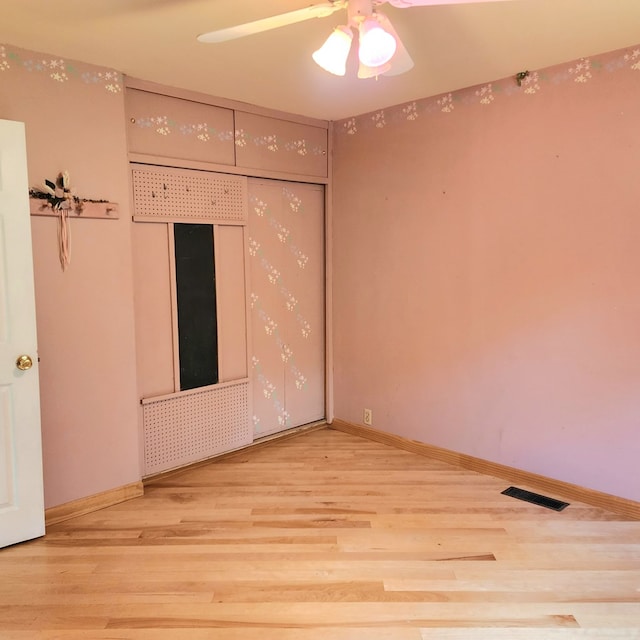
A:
[540,483]
[95,502]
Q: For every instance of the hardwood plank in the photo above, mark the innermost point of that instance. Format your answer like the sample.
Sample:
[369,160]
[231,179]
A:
[532,634]
[326,535]
[282,633]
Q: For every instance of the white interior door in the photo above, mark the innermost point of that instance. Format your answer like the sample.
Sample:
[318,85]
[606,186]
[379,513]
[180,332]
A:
[21,489]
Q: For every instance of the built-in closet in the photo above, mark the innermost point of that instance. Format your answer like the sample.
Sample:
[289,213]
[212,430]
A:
[229,273]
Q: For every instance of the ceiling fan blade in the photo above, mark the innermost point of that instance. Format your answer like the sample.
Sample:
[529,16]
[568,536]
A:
[401,61]
[273,22]
[404,4]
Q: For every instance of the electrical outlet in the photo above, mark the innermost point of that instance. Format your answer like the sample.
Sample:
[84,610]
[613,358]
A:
[367,417]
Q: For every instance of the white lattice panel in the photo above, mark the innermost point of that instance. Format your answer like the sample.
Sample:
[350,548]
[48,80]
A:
[182,429]
[181,194]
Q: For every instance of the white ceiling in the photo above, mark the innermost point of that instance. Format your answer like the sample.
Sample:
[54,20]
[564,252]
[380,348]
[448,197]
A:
[453,46]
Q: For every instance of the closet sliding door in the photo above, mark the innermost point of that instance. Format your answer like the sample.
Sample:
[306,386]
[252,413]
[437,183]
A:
[191,305]
[286,248]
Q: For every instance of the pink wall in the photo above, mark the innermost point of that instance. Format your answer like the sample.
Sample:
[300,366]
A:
[486,272]
[74,116]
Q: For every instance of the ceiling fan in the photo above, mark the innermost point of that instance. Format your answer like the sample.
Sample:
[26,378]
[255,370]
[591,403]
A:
[380,50]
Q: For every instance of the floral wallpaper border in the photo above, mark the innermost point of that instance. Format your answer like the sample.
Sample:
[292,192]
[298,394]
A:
[579,72]
[166,126]
[59,70]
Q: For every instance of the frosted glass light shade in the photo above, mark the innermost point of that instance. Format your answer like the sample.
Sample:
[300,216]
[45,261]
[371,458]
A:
[365,72]
[332,55]
[376,45]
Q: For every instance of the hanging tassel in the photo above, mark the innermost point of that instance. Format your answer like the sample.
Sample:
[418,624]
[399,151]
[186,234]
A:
[64,238]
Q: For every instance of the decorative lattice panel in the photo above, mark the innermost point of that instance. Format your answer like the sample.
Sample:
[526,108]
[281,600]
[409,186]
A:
[181,195]
[182,429]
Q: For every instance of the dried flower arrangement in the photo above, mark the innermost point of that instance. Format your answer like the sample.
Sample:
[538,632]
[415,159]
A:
[60,195]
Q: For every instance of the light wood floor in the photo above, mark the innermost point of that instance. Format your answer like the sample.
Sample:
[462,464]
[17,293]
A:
[326,537]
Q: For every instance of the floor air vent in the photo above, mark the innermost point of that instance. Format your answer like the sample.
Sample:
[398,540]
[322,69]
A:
[535,498]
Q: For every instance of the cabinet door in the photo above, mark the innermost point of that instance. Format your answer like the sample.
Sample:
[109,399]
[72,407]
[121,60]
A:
[286,247]
[174,128]
[280,145]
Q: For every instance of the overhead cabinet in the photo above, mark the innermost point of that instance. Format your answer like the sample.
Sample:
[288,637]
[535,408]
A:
[175,128]
[280,145]
[167,127]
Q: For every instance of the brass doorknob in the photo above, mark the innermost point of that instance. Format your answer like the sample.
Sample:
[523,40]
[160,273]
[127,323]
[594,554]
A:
[24,363]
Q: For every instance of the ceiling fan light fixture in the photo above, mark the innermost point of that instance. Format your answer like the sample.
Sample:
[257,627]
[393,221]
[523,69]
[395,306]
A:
[332,55]
[377,46]
[365,72]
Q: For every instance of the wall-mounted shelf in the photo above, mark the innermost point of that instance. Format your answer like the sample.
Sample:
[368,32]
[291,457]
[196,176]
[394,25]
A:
[84,209]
